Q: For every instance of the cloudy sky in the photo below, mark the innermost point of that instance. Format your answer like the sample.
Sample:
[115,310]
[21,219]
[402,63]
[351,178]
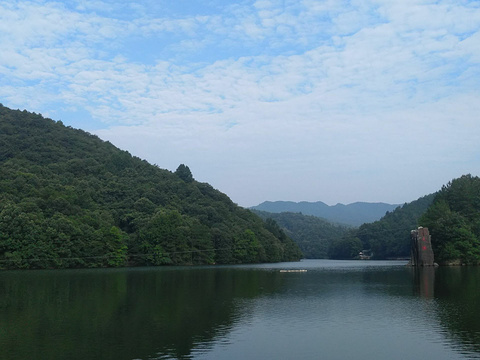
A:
[337,101]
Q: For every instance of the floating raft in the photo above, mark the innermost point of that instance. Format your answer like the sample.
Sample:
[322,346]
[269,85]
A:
[294,270]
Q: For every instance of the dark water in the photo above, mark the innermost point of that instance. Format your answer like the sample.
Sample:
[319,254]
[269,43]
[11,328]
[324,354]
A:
[335,310]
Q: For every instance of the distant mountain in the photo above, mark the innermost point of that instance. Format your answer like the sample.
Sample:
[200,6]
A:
[354,214]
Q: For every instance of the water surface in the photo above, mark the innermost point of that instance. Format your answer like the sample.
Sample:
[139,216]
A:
[335,310]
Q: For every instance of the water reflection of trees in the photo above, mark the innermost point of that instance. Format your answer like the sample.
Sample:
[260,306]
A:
[122,314]
[457,300]
[458,296]
[453,299]
[158,313]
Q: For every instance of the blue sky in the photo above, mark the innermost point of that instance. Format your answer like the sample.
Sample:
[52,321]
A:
[337,101]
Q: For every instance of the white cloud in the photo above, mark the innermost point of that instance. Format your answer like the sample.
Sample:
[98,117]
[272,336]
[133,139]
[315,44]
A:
[304,92]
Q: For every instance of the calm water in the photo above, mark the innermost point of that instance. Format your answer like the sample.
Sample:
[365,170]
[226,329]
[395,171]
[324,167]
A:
[335,310]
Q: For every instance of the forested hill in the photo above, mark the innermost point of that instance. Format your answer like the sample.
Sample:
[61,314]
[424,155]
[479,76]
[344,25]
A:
[389,237]
[386,238]
[454,222]
[312,234]
[452,216]
[69,199]
[352,214]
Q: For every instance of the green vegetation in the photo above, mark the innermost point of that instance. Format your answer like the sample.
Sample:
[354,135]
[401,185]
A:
[452,216]
[313,235]
[454,222]
[389,237]
[346,248]
[386,238]
[69,199]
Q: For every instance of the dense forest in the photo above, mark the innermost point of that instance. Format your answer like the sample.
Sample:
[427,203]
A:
[312,234]
[389,237]
[69,199]
[454,222]
[451,214]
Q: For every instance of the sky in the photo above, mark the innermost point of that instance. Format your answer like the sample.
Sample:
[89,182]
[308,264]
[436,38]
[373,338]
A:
[300,100]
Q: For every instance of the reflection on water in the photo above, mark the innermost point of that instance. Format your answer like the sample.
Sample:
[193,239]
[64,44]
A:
[335,310]
[458,291]
[120,314]
[424,281]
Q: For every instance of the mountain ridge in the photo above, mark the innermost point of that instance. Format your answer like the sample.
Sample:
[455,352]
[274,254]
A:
[354,214]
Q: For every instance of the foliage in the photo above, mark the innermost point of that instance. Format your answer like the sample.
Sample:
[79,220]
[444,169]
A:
[345,248]
[184,173]
[69,199]
[454,221]
[389,237]
[313,235]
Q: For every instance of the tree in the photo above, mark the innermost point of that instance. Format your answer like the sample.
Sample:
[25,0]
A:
[312,234]
[246,248]
[115,240]
[346,248]
[453,221]
[184,173]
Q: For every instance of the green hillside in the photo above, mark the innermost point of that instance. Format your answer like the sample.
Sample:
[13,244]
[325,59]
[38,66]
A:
[454,222]
[386,238]
[389,237]
[312,234]
[69,199]
[451,214]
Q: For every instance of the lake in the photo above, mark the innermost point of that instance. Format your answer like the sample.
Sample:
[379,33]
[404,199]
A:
[334,310]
